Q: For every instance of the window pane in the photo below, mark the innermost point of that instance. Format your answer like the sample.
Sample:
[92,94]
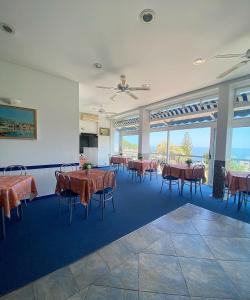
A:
[240,151]
[158,145]
[130,145]
[116,141]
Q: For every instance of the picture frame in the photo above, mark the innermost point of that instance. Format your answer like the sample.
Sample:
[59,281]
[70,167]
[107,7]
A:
[104,131]
[18,122]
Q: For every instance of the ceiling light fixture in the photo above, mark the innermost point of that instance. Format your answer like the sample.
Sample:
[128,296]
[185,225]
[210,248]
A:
[147,15]
[98,65]
[7,28]
[199,61]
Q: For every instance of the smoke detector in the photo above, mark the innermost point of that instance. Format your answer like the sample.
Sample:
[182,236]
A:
[98,65]
[147,15]
[7,28]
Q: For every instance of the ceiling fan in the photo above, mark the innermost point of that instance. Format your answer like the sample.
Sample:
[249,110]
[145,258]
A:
[101,111]
[244,56]
[123,87]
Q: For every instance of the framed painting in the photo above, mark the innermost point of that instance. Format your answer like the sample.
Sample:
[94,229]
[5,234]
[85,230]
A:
[104,131]
[17,122]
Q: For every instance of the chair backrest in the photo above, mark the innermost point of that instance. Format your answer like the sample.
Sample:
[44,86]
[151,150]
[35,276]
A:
[109,179]
[225,175]
[153,164]
[63,182]
[68,167]
[198,171]
[166,171]
[248,183]
[15,170]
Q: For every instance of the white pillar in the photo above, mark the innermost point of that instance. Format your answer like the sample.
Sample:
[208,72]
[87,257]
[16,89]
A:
[143,132]
[223,136]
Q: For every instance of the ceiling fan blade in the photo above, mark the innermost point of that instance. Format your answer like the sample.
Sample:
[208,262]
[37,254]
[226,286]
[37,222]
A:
[139,88]
[105,87]
[113,97]
[229,55]
[235,67]
[131,95]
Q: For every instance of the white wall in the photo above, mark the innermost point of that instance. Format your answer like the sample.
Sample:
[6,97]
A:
[88,127]
[57,103]
[103,142]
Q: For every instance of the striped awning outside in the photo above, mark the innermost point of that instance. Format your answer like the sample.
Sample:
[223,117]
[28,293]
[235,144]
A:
[244,97]
[126,123]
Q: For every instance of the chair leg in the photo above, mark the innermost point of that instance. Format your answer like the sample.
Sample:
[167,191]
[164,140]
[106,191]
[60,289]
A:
[161,186]
[228,197]
[170,185]
[113,203]
[3,232]
[200,189]
[195,187]
[178,184]
[86,211]
[70,211]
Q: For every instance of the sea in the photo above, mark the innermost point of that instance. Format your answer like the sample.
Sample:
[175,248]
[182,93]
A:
[236,153]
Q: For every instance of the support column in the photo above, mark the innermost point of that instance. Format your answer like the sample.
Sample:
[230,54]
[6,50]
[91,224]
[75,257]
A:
[223,137]
[143,132]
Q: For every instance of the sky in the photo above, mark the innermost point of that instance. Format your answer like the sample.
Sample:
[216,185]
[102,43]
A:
[241,138]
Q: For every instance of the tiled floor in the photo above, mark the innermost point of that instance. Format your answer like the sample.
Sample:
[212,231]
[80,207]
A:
[190,253]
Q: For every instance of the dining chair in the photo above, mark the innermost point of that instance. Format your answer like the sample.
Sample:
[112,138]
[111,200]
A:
[63,190]
[16,170]
[195,178]
[106,193]
[168,178]
[68,167]
[133,172]
[226,190]
[246,193]
[152,170]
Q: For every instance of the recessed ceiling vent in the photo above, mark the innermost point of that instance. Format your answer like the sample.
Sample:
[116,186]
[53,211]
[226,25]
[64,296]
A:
[147,16]
[7,28]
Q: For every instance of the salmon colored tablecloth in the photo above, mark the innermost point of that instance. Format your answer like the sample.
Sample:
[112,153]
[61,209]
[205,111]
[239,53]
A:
[119,160]
[182,171]
[87,182]
[237,181]
[13,189]
[142,165]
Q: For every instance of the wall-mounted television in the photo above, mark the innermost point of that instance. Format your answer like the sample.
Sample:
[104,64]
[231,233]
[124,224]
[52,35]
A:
[88,140]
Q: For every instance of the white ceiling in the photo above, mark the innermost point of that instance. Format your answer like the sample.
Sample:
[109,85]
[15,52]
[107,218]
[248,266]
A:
[66,37]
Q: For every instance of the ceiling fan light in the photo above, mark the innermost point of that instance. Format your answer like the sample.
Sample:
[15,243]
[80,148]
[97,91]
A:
[199,61]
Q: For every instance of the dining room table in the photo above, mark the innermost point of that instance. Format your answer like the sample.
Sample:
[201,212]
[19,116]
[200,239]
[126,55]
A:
[13,189]
[181,171]
[237,182]
[141,165]
[87,182]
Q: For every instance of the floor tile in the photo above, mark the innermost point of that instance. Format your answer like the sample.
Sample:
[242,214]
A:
[206,278]
[191,245]
[88,269]
[116,253]
[171,224]
[57,285]
[186,212]
[226,248]
[106,293]
[124,276]
[239,273]
[156,296]
[25,293]
[162,274]
[142,238]
[162,246]
[221,228]
[80,295]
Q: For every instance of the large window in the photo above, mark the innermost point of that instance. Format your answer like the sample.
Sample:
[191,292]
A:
[158,145]
[130,145]
[240,151]
[116,141]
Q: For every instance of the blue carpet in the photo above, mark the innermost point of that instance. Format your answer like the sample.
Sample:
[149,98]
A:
[43,241]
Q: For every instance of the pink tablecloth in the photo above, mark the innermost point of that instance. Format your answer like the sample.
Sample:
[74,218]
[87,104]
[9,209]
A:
[237,181]
[142,165]
[182,171]
[13,189]
[119,160]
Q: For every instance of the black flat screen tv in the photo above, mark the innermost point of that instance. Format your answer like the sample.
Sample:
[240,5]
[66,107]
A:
[88,140]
